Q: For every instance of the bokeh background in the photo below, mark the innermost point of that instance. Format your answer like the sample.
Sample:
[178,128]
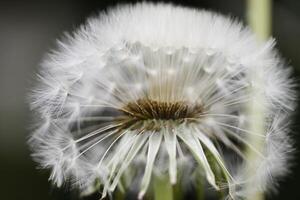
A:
[29,28]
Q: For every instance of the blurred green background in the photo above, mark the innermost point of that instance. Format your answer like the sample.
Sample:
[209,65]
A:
[29,28]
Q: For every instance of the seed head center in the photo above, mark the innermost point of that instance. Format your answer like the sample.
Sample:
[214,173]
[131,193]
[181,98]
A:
[146,112]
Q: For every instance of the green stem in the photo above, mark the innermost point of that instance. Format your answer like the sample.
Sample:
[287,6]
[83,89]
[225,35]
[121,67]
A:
[259,15]
[119,195]
[259,19]
[162,188]
[200,188]
[177,191]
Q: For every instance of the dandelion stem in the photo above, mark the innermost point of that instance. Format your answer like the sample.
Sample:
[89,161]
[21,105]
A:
[200,188]
[177,191]
[259,15]
[119,195]
[162,188]
[259,19]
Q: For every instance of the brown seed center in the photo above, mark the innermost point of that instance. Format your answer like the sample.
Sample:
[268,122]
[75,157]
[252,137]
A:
[150,111]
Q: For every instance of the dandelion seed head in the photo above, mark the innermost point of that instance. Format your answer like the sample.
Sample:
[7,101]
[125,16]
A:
[154,90]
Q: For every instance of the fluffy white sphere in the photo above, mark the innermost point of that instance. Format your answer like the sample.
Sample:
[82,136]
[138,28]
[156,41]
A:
[157,89]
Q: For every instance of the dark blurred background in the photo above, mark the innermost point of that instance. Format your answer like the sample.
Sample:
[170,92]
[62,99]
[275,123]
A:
[29,28]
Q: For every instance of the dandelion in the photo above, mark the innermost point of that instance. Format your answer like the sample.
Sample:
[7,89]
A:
[151,90]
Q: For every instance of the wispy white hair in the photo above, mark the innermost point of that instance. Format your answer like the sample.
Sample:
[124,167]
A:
[176,57]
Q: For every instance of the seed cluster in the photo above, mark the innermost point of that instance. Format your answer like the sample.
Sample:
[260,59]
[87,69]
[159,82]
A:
[149,113]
